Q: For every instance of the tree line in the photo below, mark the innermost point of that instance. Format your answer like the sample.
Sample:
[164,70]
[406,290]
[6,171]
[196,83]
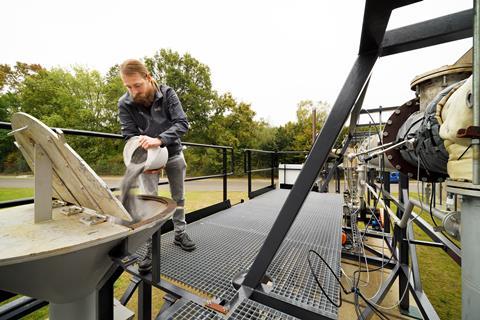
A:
[81,98]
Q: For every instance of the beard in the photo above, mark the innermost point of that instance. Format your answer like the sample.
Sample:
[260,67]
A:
[145,99]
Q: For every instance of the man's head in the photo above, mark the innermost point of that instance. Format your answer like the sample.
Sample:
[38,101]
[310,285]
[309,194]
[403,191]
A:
[138,81]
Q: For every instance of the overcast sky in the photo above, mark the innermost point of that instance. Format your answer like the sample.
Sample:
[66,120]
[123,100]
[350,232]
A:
[271,54]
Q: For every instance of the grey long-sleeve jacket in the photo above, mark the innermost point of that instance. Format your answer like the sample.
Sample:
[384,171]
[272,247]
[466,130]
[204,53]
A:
[165,119]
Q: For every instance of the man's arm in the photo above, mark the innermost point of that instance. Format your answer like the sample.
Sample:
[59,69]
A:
[128,126]
[178,117]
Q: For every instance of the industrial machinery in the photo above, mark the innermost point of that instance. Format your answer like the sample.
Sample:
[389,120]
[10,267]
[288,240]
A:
[429,140]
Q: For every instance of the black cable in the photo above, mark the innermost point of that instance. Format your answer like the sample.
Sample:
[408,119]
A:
[374,308]
[433,220]
[464,152]
[431,201]
[318,281]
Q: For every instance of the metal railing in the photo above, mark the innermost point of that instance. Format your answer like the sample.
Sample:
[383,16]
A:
[274,161]
[225,173]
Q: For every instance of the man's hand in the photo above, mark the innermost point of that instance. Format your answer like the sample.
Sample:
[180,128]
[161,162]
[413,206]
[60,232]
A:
[147,142]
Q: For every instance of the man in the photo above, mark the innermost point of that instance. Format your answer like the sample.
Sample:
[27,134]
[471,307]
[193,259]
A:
[155,114]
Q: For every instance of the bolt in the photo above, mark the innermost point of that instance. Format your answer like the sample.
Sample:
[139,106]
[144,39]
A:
[385,133]
[397,111]
[389,157]
[389,122]
[409,103]
[398,167]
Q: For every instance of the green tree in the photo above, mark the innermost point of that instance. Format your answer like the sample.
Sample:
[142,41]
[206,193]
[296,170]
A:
[191,81]
[11,77]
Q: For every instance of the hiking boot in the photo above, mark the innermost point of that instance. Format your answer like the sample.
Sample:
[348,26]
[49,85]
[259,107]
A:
[184,241]
[145,264]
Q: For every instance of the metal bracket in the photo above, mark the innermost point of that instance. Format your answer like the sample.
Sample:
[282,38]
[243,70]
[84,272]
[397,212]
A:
[91,217]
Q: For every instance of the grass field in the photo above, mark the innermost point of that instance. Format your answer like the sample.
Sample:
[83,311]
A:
[441,276]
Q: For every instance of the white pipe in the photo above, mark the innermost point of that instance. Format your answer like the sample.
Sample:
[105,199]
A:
[389,211]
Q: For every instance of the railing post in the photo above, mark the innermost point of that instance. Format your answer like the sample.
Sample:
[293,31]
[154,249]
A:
[272,173]
[224,174]
[249,171]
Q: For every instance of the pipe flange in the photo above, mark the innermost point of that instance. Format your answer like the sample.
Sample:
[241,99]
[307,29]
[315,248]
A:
[390,131]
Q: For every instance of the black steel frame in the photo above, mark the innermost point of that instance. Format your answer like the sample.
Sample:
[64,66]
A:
[375,42]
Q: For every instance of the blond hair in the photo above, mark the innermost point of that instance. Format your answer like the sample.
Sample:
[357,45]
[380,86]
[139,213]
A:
[132,66]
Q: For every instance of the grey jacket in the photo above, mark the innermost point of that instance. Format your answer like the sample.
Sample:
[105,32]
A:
[165,119]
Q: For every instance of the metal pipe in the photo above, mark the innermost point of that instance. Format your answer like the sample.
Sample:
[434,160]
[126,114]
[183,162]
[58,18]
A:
[436,212]
[453,227]
[476,91]
[389,211]
[353,155]
[376,154]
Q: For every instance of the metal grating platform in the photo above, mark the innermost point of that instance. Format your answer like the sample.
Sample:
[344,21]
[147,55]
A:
[249,309]
[191,310]
[228,242]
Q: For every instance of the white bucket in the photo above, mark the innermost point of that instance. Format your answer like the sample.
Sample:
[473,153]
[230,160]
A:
[156,157]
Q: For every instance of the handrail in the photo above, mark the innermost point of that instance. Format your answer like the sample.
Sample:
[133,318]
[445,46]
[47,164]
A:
[224,174]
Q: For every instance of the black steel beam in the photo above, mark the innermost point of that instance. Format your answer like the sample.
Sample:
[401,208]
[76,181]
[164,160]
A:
[404,248]
[5,295]
[144,306]
[134,282]
[414,260]
[168,301]
[377,299]
[105,293]
[21,307]
[378,262]
[162,284]
[424,305]
[386,187]
[373,234]
[14,203]
[317,157]
[375,20]
[428,33]
[286,307]
[425,243]
[450,248]
[374,251]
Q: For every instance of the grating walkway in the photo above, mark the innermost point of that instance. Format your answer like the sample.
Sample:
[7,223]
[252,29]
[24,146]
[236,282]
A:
[228,242]
[248,309]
